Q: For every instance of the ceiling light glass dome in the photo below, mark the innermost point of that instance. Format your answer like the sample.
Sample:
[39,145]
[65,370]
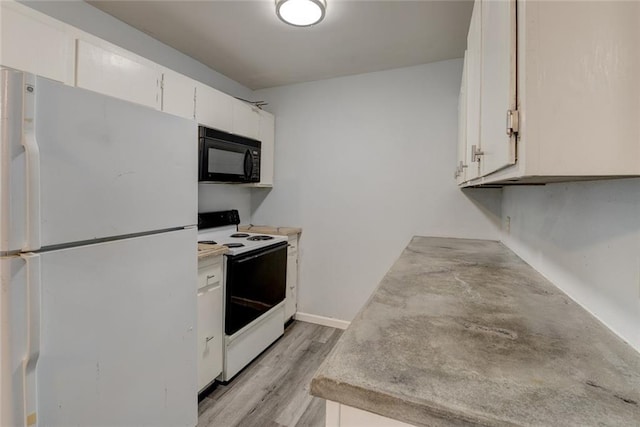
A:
[301,13]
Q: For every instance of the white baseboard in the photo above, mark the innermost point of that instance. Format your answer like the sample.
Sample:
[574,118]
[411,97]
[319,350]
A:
[321,320]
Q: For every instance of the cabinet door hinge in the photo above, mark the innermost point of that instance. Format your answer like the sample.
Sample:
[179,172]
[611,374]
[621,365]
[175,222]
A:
[513,122]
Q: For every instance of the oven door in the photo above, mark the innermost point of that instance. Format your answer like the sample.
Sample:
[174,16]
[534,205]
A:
[255,283]
[228,158]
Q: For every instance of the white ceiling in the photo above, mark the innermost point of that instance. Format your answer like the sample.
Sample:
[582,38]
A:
[244,40]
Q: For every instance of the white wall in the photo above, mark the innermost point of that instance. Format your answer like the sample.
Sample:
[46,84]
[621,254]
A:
[585,238]
[363,163]
[222,197]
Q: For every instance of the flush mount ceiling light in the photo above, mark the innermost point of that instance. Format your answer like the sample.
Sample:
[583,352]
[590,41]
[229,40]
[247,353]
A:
[301,13]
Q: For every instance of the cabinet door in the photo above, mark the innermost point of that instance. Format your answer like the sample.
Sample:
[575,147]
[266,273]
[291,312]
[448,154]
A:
[178,94]
[246,119]
[31,42]
[291,302]
[473,69]
[213,108]
[209,334]
[267,136]
[461,167]
[124,77]
[498,79]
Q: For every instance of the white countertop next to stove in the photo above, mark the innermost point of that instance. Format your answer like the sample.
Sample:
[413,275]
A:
[205,251]
[267,229]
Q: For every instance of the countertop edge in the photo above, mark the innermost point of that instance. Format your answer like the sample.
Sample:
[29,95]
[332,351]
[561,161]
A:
[395,407]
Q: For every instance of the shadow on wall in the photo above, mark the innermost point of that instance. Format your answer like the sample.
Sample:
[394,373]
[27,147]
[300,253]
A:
[258,196]
[488,201]
[576,215]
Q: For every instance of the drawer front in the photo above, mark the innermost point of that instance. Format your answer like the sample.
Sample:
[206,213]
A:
[292,249]
[209,274]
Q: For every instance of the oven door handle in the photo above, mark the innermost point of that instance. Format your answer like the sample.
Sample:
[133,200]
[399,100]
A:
[240,260]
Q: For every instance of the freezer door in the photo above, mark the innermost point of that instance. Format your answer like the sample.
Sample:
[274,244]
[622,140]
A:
[112,341]
[83,166]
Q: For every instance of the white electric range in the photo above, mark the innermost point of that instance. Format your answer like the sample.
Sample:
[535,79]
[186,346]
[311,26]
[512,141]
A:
[237,242]
[255,272]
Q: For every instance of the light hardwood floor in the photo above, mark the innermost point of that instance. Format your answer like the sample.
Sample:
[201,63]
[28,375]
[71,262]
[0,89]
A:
[274,389]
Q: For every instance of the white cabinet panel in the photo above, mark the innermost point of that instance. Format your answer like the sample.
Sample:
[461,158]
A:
[210,334]
[246,119]
[213,108]
[110,73]
[32,42]
[461,167]
[291,302]
[580,87]
[267,137]
[498,83]
[210,338]
[473,69]
[339,415]
[577,107]
[178,94]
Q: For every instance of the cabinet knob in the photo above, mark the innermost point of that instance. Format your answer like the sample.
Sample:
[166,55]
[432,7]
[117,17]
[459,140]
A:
[207,339]
[210,276]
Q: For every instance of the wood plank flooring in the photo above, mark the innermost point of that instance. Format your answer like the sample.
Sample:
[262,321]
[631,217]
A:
[274,389]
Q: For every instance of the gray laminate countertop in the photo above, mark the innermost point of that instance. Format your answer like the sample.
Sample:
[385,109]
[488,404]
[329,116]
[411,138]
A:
[463,332]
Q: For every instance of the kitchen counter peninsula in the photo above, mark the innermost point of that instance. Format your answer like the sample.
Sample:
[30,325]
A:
[463,332]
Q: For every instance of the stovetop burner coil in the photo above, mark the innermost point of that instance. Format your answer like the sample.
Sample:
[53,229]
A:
[234,245]
[261,237]
[239,235]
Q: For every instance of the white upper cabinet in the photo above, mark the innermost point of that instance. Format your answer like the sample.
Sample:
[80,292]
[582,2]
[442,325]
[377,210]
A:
[267,137]
[498,84]
[178,94]
[461,167]
[36,43]
[472,92]
[575,111]
[246,119]
[213,108]
[33,42]
[580,87]
[122,75]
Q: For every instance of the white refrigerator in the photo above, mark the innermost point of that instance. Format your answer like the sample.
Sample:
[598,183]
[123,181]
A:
[98,206]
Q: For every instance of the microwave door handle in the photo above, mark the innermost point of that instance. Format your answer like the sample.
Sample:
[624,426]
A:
[248,164]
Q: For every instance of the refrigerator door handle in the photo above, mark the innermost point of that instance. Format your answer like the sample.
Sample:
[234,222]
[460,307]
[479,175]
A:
[29,363]
[32,155]
[32,152]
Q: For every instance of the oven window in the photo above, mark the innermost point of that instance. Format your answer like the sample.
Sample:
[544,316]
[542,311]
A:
[255,283]
[227,162]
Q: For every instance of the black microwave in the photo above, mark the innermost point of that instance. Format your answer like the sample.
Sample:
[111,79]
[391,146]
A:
[225,157]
